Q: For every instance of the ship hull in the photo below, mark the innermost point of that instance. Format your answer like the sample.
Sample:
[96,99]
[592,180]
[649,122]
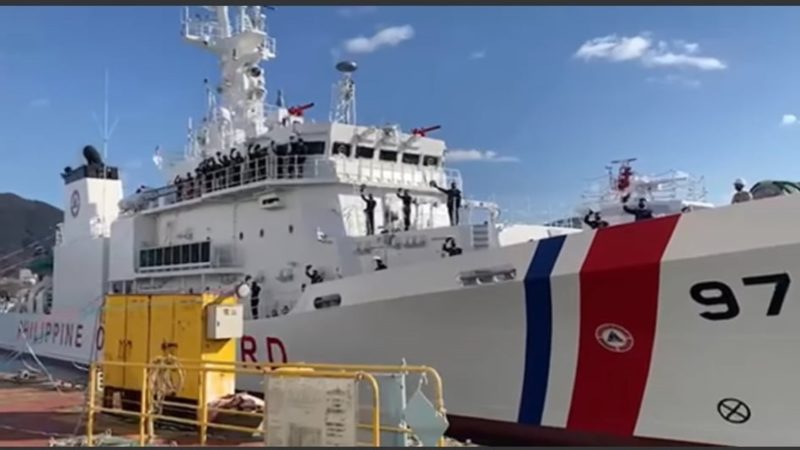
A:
[680,328]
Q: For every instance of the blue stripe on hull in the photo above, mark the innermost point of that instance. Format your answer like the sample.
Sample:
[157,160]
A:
[538,317]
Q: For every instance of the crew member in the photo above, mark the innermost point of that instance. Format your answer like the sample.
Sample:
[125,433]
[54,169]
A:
[594,221]
[453,201]
[369,211]
[740,195]
[641,212]
[449,246]
[255,290]
[313,275]
[407,200]
[379,264]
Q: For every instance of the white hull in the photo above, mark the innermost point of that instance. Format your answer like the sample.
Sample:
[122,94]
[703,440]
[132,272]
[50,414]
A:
[535,350]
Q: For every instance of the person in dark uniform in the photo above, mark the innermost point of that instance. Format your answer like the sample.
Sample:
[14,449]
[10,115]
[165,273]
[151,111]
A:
[407,200]
[449,246]
[255,290]
[313,275]
[593,220]
[641,212]
[379,264]
[369,211]
[453,201]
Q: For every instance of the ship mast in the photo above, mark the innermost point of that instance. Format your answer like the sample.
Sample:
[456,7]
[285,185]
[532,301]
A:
[105,132]
[240,46]
[343,106]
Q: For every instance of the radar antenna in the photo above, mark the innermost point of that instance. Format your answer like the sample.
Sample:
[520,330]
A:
[344,94]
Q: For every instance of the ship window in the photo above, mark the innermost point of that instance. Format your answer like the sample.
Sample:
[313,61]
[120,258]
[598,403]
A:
[315,148]
[195,253]
[340,148]
[205,252]
[388,155]
[282,149]
[176,254]
[411,158]
[159,259]
[241,235]
[186,254]
[144,258]
[365,152]
[430,161]
[167,256]
[327,301]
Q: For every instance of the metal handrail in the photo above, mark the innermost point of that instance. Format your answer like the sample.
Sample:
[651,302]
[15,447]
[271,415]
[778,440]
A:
[146,417]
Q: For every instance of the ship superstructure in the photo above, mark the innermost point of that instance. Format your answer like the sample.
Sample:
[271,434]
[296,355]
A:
[261,191]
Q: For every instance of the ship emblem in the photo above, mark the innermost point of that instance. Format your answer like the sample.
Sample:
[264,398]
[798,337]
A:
[75,203]
[614,338]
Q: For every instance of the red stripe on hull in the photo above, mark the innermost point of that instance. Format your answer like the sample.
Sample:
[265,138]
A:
[619,287]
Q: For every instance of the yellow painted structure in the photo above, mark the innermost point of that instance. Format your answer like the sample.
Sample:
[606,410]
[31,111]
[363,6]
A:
[142,329]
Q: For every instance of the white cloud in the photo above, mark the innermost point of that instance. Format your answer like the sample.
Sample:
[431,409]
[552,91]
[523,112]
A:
[39,103]
[614,48]
[684,60]
[789,120]
[478,54]
[354,11]
[477,155]
[678,54]
[387,37]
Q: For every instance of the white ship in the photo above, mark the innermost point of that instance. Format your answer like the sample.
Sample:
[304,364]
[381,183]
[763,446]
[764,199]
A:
[679,327]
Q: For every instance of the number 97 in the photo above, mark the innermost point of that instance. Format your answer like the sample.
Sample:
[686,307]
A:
[717,293]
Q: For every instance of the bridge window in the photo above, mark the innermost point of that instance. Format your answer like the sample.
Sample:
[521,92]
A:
[411,158]
[340,148]
[186,254]
[205,251]
[388,155]
[195,254]
[365,152]
[327,301]
[198,252]
[430,161]
[315,148]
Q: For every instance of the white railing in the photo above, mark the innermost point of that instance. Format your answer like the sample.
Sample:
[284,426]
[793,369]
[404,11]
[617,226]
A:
[239,175]
[367,171]
[201,29]
[687,189]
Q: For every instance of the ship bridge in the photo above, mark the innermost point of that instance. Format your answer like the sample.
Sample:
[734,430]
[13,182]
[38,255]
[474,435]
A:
[310,153]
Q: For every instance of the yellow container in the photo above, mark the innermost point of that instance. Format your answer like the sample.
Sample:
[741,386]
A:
[142,328]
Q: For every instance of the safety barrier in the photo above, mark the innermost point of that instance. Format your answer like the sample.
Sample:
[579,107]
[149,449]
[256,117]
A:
[162,379]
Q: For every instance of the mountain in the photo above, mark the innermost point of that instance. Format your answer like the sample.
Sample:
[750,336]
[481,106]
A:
[27,230]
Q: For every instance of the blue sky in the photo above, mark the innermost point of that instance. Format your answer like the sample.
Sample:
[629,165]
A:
[553,92]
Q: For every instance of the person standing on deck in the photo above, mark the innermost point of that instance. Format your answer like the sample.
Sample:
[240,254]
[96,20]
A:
[255,290]
[406,198]
[369,211]
[641,212]
[740,195]
[453,201]
[594,221]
